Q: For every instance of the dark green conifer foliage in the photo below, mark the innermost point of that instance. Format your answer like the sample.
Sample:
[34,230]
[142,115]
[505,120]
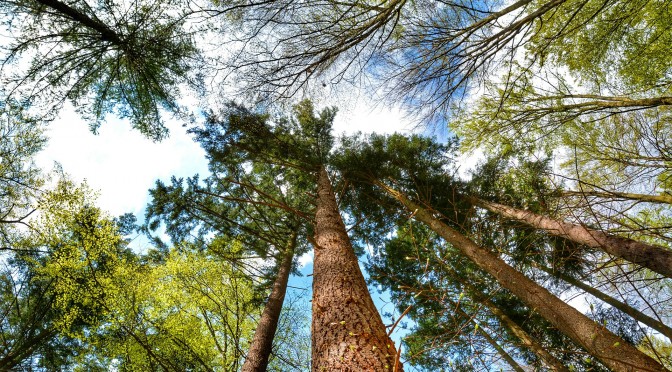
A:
[102,56]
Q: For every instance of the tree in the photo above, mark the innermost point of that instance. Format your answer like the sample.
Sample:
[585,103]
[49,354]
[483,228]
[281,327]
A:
[191,309]
[273,165]
[248,199]
[56,278]
[21,137]
[656,258]
[435,285]
[229,207]
[598,341]
[625,308]
[102,56]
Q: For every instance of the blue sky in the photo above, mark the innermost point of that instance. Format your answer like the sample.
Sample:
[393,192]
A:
[121,165]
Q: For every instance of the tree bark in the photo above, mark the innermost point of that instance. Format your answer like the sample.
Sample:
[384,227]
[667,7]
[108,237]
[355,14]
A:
[634,313]
[526,339]
[663,199]
[348,333]
[653,257]
[508,358]
[610,349]
[105,32]
[262,342]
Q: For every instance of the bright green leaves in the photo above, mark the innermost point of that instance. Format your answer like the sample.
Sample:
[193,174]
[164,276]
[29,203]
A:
[75,251]
[604,42]
[191,311]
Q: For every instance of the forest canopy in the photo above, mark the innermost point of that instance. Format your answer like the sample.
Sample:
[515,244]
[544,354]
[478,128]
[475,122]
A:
[552,252]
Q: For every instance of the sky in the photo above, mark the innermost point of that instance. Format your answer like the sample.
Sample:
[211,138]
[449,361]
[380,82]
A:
[121,165]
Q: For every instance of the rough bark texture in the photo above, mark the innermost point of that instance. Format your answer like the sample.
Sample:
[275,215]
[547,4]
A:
[262,343]
[347,331]
[610,349]
[634,313]
[653,257]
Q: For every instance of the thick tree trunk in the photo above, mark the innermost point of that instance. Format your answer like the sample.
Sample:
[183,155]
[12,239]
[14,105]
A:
[347,331]
[610,349]
[653,257]
[634,313]
[262,343]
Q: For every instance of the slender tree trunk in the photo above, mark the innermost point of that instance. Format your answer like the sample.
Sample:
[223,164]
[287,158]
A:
[508,358]
[25,350]
[105,32]
[610,349]
[653,257]
[348,333]
[526,339]
[627,309]
[262,343]
[663,199]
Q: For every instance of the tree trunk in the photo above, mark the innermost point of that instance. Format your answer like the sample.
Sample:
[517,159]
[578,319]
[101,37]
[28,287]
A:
[653,257]
[105,32]
[262,343]
[508,358]
[25,350]
[627,309]
[664,199]
[610,349]
[527,340]
[348,333]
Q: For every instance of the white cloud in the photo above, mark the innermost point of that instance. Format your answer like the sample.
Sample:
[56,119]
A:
[366,118]
[119,162]
[306,259]
[122,164]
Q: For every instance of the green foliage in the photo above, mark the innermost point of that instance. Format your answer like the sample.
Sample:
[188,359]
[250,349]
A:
[415,164]
[445,294]
[21,137]
[102,56]
[612,42]
[191,311]
[56,278]
[77,251]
